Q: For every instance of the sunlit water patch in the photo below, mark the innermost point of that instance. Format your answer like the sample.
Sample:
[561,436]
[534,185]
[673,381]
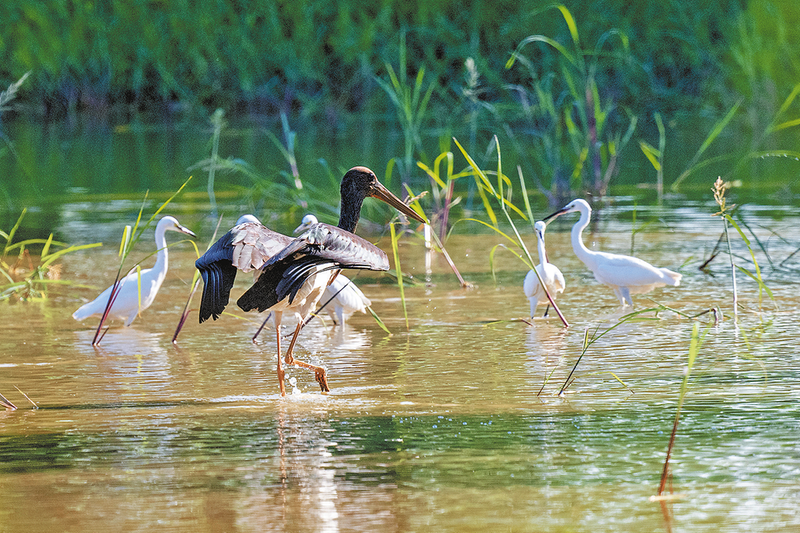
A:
[455,423]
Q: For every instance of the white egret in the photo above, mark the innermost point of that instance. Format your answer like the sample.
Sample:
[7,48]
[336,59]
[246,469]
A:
[625,275]
[126,303]
[342,296]
[550,274]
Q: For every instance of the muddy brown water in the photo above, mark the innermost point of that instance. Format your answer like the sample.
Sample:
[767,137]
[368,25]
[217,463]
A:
[440,427]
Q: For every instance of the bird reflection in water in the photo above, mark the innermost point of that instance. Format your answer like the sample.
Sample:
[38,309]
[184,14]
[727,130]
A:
[128,356]
[304,495]
[545,350]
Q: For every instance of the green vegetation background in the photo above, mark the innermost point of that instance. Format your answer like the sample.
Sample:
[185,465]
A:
[320,61]
[320,54]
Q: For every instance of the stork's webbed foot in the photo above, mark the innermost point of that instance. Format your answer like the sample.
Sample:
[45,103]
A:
[319,372]
[322,379]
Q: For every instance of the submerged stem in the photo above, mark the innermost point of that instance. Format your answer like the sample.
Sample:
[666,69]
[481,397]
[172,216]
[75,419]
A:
[694,348]
[733,271]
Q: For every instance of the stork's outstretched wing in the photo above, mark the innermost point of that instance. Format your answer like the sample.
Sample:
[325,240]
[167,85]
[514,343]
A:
[322,247]
[245,247]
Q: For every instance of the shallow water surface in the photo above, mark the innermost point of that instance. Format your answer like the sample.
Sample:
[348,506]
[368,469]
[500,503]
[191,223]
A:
[455,424]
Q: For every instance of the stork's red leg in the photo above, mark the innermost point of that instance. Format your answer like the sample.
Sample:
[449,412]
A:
[319,372]
[281,373]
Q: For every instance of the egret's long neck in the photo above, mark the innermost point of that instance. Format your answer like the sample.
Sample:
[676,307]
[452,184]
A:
[542,252]
[350,211]
[162,259]
[583,253]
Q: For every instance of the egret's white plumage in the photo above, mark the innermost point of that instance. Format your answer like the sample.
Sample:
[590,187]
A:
[126,304]
[344,296]
[625,275]
[550,274]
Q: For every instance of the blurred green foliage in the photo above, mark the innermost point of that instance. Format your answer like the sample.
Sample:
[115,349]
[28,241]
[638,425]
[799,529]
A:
[326,62]
[318,54]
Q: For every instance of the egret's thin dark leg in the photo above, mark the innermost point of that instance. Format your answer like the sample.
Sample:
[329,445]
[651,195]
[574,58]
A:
[263,324]
[319,372]
[546,310]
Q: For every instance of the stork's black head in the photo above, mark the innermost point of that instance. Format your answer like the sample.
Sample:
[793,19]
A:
[357,184]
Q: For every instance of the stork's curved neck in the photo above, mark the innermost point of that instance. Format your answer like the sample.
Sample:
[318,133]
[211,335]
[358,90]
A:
[580,249]
[350,211]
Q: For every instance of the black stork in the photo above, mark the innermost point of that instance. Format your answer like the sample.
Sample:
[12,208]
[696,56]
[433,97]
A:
[342,298]
[295,276]
[246,247]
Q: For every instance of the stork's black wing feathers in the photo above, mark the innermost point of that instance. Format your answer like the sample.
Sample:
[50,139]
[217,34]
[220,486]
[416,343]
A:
[218,274]
[322,247]
[297,274]
[245,247]
[264,292]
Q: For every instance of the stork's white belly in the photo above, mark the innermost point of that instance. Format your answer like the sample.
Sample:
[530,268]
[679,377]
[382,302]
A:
[307,297]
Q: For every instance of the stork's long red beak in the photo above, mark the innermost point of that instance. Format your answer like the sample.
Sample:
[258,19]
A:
[382,193]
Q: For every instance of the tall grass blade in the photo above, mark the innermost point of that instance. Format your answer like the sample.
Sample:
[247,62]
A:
[125,241]
[195,284]
[694,348]
[525,196]
[11,93]
[35,405]
[757,277]
[5,402]
[217,121]
[10,236]
[398,272]
[733,271]
[378,320]
[715,132]
[498,195]
[464,284]
[588,341]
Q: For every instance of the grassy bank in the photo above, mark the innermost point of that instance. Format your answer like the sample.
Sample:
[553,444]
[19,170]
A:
[580,91]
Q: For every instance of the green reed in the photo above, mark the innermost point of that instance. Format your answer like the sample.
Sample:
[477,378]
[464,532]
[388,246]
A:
[582,132]
[289,151]
[195,284]
[694,348]
[486,189]
[34,283]
[696,163]
[6,403]
[398,272]
[578,99]
[656,157]
[410,102]
[596,335]
[6,97]
[724,213]
[442,188]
